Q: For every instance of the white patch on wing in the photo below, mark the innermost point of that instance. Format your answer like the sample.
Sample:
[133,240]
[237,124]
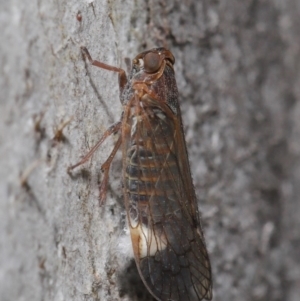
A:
[149,244]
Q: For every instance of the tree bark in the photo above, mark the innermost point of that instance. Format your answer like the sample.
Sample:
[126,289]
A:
[237,69]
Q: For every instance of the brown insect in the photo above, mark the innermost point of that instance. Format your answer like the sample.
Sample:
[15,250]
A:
[160,200]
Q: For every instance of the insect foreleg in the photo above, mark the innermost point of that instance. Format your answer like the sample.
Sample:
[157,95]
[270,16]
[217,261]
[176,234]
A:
[122,74]
[111,130]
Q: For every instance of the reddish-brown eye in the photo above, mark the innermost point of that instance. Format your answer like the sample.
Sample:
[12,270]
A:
[152,62]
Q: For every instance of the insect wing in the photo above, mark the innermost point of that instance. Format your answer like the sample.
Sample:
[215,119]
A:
[167,239]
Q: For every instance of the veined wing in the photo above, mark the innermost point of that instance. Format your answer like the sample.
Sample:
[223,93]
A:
[165,229]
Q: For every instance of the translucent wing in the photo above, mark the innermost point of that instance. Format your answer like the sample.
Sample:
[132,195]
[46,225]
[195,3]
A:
[167,239]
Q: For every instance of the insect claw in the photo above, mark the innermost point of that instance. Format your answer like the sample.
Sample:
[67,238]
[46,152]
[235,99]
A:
[102,194]
[72,167]
[102,200]
[86,53]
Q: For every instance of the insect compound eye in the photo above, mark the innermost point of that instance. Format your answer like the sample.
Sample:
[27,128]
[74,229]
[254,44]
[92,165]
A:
[152,62]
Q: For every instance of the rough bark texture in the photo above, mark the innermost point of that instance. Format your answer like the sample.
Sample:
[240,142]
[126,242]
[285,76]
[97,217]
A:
[237,67]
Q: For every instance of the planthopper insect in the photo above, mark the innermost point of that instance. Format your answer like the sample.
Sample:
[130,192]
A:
[160,200]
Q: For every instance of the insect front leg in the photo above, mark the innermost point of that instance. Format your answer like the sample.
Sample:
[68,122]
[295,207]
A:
[122,73]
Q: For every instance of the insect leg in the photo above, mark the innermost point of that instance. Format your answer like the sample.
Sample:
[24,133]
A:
[105,169]
[122,74]
[111,130]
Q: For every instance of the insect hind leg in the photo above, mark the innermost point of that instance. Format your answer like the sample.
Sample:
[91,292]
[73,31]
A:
[105,169]
[106,165]
[111,130]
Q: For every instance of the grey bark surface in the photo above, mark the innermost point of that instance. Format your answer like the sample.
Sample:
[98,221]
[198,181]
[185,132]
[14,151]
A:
[238,74]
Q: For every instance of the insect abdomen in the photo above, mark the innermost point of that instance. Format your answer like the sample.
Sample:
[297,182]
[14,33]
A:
[144,175]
